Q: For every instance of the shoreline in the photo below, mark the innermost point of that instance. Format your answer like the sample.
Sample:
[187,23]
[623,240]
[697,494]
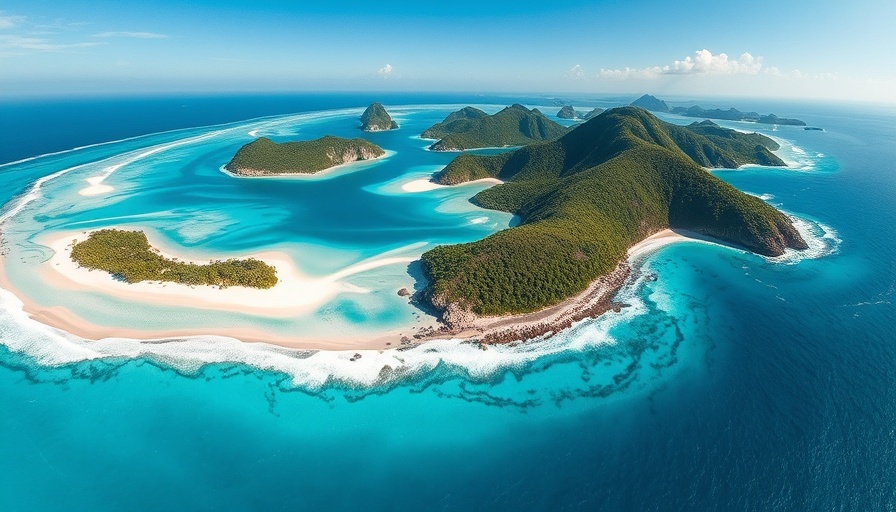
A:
[329,172]
[426,184]
[64,273]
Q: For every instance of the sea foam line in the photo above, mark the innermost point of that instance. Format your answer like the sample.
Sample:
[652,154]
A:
[96,187]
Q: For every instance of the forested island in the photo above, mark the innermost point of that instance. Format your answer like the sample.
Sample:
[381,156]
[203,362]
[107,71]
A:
[654,104]
[471,128]
[376,119]
[567,112]
[264,157]
[593,113]
[128,256]
[588,196]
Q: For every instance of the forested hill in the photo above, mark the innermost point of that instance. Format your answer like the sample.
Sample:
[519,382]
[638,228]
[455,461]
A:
[264,157]
[588,196]
[471,128]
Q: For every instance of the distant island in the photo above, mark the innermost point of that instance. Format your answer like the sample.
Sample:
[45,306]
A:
[651,103]
[654,104]
[594,113]
[376,119]
[128,256]
[264,157]
[471,128]
[568,112]
[584,199]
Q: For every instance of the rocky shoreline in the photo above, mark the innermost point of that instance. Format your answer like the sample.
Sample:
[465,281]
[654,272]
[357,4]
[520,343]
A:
[596,300]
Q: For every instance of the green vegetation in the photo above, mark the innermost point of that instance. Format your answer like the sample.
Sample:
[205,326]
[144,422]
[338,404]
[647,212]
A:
[594,113]
[732,114]
[128,256]
[376,119]
[567,112]
[651,103]
[263,156]
[471,128]
[773,119]
[587,197]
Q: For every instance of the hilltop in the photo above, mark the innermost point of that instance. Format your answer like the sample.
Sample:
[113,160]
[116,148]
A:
[652,103]
[567,112]
[376,119]
[471,128]
[585,198]
[264,157]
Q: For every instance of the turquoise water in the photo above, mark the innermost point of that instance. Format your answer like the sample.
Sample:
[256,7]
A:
[731,381]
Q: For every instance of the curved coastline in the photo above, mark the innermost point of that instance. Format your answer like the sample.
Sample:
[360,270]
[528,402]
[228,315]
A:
[295,292]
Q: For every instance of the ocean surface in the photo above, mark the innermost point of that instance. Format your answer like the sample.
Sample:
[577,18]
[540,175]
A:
[731,381]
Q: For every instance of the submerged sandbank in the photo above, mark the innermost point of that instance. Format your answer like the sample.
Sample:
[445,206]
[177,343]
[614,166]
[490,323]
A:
[425,184]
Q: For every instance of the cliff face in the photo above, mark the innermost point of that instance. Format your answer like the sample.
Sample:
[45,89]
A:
[376,119]
[585,198]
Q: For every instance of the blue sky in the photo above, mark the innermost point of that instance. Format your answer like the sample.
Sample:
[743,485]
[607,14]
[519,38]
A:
[800,49]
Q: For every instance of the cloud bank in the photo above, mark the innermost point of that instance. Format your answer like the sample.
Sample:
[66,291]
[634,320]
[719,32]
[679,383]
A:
[703,62]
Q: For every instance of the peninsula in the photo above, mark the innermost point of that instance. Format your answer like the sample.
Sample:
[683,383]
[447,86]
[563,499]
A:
[264,157]
[586,198]
[376,119]
[471,128]
[128,256]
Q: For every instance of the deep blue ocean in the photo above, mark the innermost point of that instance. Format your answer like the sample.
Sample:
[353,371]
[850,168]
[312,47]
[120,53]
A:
[731,383]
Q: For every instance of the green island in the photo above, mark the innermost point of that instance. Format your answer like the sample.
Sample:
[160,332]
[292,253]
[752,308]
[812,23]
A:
[128,256]
[471,128]
[587,197]
[376,119]
[567,112]
[594,113]
[264,157]
[653,104]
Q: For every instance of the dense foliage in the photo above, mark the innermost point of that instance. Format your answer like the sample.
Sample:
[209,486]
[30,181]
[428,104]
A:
[128,256]
[264,156]
[471,128]
[375,119]
[587,197]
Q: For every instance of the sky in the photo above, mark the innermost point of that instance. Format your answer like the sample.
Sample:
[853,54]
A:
[761,48]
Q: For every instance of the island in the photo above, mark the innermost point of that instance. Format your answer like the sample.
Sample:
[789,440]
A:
[376,119]
[655,104]
[128,256]
[264,157]
[582,201]
[651,103]
[471,128]
[567,112]
[594,113]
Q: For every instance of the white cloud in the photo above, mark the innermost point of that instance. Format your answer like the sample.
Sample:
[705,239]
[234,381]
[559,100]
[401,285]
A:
[9,21]
[12,43]
[703,62]
[135,35]
[576,72]
[385,71]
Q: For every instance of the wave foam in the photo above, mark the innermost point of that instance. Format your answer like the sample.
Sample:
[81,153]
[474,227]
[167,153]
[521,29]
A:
[821,239]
